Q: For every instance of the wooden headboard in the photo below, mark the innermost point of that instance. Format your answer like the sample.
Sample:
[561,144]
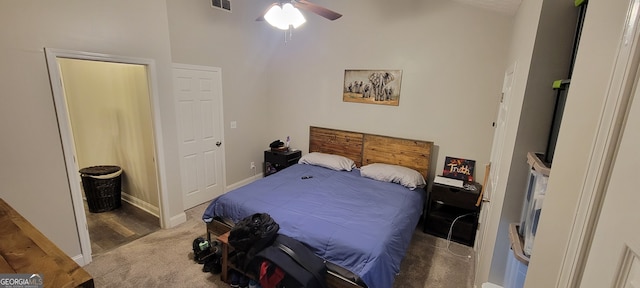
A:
[365,148]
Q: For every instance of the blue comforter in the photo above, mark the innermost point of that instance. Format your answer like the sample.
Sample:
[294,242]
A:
[361,224]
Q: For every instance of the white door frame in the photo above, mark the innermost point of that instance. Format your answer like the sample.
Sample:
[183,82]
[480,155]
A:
[68,146]
[605,145]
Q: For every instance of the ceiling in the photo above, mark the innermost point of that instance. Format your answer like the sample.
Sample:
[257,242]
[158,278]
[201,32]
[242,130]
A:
[504,6]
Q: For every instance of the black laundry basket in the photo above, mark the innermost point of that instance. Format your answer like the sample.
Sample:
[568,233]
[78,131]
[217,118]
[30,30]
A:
[102,187]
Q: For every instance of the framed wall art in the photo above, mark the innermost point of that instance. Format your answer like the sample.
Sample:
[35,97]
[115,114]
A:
[458,168]
[372,86]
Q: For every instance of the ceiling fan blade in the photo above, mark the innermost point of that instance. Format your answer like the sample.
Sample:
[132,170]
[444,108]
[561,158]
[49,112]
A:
[261,18]
[324,12]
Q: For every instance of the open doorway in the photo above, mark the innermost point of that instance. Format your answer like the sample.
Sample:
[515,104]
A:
[110,115]
[105,114]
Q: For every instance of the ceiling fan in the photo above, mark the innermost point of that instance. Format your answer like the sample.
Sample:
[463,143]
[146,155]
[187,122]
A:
[284,14]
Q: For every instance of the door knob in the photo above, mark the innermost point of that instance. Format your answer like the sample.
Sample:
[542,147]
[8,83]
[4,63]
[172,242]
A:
[218,143]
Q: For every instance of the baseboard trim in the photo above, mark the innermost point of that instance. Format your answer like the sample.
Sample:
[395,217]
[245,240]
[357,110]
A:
[243,182]
[177,220]
[155,211]
[79,259]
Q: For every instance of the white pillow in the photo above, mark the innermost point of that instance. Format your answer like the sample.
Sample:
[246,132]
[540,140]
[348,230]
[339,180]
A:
[404,176]
[331,161]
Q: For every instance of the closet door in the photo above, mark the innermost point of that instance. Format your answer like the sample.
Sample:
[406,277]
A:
[198,93]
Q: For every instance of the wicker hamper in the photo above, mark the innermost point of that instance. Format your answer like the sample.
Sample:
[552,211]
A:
[102,187]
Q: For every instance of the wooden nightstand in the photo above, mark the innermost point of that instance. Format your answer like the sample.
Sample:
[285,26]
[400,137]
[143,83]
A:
[444,205]
[275,161]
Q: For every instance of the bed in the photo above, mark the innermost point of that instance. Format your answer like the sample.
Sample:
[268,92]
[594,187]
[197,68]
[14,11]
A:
[360,225]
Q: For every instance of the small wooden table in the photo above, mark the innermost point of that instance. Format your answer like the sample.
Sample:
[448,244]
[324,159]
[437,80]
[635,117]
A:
[25,250]
[224,240]
[226,264]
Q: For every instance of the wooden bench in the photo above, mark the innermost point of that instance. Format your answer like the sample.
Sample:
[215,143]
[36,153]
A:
[227,265]
[224,240]
[25,250]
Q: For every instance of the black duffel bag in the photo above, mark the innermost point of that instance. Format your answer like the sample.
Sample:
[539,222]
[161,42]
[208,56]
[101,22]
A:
[301,267]
[250,235]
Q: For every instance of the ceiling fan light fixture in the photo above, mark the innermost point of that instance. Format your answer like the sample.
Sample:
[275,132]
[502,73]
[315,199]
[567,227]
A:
[284,16]
[293,15]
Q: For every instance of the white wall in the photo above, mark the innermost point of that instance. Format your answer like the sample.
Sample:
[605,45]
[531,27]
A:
[235,42]
[591,76]
[32,172]
[452,58]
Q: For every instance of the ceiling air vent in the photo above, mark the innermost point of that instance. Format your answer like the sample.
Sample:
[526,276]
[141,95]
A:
[221,4]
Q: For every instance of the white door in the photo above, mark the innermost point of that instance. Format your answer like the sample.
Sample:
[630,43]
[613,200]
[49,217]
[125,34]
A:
[499,133]
[483,248]
[198,93]
[614,257]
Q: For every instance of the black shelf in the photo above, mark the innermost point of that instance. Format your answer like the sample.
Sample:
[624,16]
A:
[275,161]
[447,204]
[232,266]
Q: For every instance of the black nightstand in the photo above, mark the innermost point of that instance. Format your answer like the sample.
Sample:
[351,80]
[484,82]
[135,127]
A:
[275,161]
[446,204]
